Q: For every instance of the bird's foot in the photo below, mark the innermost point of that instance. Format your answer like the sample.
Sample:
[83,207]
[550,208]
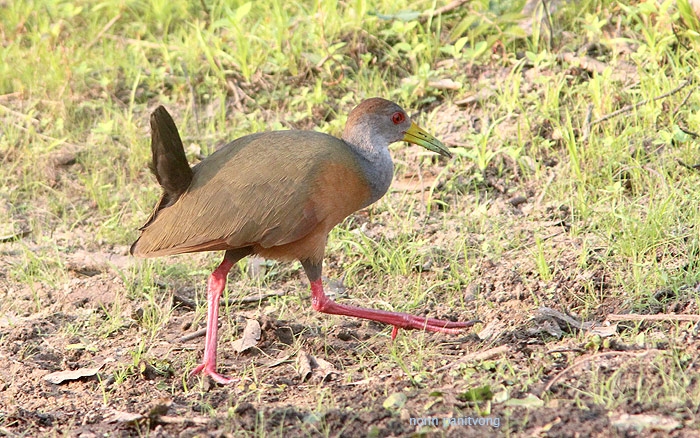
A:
[412,322]
[208,369]
[399,320]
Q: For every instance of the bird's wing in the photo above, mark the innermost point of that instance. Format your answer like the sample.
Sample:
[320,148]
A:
[266,189]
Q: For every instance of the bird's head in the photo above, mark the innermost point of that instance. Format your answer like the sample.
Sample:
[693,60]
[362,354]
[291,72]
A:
[377,122]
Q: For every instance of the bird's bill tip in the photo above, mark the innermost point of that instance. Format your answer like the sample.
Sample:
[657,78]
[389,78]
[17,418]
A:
[416,135]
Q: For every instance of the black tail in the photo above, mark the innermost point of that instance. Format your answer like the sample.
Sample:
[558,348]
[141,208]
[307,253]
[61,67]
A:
[169,163]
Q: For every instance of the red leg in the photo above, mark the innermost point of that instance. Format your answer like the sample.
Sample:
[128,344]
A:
[215,287]
[322,303]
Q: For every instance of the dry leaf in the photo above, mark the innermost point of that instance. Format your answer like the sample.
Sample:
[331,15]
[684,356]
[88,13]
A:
[281,360]
[604,331]
[639,422]
[304,365]
[61,376]
[308,365]
[492,330]
[323,368]
[564,321]
[529,401]
[395,401]
[250,338]
[445,84]
[122,417]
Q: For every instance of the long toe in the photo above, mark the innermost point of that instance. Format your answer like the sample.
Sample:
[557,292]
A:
[436,325]
[450,324]
[206,370]
[219,378]
[412,322]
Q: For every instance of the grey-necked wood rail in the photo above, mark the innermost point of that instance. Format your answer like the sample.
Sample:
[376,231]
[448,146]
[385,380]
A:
[278,195]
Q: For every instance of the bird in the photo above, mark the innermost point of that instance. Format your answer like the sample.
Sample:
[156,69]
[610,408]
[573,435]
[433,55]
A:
[277,195]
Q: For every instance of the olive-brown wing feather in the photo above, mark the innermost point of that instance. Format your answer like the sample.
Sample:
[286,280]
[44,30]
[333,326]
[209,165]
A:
[258,190]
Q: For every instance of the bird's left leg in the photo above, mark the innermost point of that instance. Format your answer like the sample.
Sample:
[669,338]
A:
[215,287]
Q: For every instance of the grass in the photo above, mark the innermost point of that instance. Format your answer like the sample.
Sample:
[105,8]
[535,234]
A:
[609,220]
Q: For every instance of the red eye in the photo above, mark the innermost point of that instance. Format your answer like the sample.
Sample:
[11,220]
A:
[398,117]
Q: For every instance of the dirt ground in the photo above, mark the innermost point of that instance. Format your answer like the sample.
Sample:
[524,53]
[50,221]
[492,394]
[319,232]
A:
[90,351]
[122,394]
[527,369]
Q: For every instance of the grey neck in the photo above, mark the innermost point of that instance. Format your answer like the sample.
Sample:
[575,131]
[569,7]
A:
[375,161]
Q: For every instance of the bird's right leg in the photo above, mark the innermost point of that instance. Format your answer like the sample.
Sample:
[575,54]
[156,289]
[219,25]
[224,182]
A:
[321,303]
[215,287]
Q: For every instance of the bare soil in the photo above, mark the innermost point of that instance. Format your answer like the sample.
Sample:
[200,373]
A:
[538,375]
[49,330]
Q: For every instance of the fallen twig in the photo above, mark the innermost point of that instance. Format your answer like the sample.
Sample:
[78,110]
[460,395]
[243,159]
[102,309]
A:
[479,355]
[631,107]
[657,317]
[178,420]
[255,298]
[689,166]
[582,360]
[589,124]
[183,301]
[442,10]
[15,236]
[566,350]
[563,319]
[688,131]
[9,96]
[186,302]
[17,114]
[683,102]
[194,335]
[103,30]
